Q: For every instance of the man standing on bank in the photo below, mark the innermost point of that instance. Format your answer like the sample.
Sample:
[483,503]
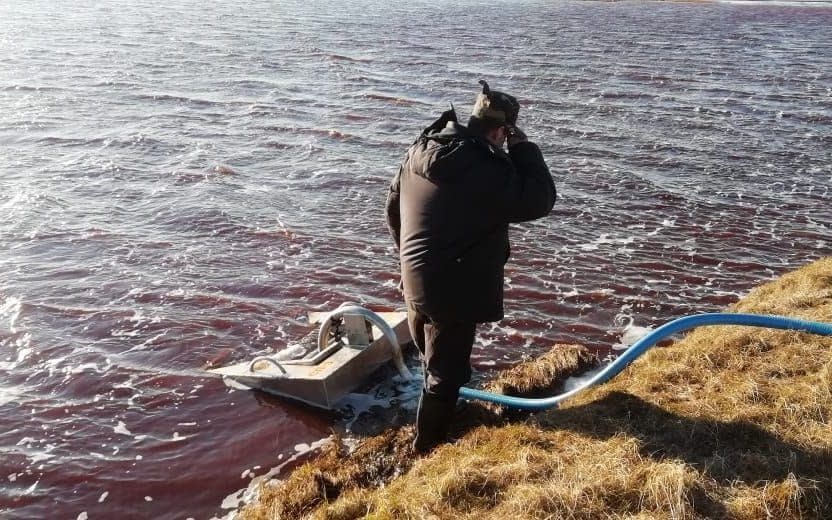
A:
[448,210]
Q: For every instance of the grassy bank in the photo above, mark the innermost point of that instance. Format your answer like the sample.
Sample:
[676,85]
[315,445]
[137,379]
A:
[729,422]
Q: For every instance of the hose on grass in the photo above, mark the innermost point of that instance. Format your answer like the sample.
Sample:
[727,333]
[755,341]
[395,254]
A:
[642,345]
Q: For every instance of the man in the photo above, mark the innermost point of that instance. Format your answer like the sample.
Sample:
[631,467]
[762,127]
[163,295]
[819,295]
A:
[448,210]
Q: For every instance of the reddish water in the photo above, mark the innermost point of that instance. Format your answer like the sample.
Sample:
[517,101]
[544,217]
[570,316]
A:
[181,184]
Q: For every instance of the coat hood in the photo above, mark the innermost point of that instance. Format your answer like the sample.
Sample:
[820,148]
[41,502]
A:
[439,155]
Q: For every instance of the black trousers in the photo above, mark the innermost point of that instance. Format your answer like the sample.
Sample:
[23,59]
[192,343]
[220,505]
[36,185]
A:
[446,353]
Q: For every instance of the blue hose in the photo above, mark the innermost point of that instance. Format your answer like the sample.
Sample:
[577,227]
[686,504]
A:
[639,347]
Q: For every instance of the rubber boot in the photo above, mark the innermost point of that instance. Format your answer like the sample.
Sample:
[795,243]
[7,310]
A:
[433,420]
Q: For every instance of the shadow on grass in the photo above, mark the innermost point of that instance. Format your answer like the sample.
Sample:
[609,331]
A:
[724,451]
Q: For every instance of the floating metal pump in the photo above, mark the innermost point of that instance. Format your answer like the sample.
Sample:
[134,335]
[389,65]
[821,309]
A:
[345,354]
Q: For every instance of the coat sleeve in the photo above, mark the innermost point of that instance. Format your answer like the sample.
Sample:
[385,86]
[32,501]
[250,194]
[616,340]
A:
[531,191]
[394,221]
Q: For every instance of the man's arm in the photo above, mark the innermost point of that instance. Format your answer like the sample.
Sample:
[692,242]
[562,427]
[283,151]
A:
[531,192]
[394,221]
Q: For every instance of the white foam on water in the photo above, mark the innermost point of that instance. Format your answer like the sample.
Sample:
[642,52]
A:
[23,354]
[10,309]
[23,351]
[125,333]
[42,455]
[132,292]
[630,333]
[484,342]
[177,437]
[103,497]
[408,391]
[361,403]
[666,223]
[735,294]
[508,331]
[233,501]
[572,383]
[130,384]
[250,493]
[79,369]
[149,341]
[10,394]
[396,390]
[26,440]
[122,429]
[82,516]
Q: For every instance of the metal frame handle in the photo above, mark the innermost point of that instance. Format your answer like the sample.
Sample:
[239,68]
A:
[267,359]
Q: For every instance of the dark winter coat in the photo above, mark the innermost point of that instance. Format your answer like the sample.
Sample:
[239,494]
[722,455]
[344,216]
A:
[448,210]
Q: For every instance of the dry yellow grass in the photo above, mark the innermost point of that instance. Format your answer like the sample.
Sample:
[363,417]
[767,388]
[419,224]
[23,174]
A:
[729,422]
[543,375]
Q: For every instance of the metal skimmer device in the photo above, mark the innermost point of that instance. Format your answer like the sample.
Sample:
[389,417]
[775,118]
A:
[352,343]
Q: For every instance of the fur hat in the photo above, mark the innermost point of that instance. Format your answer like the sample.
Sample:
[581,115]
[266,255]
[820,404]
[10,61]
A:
[495,106]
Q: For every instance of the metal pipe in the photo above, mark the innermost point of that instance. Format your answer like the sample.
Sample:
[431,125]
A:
[332,348]
[641,346]
[373,318]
